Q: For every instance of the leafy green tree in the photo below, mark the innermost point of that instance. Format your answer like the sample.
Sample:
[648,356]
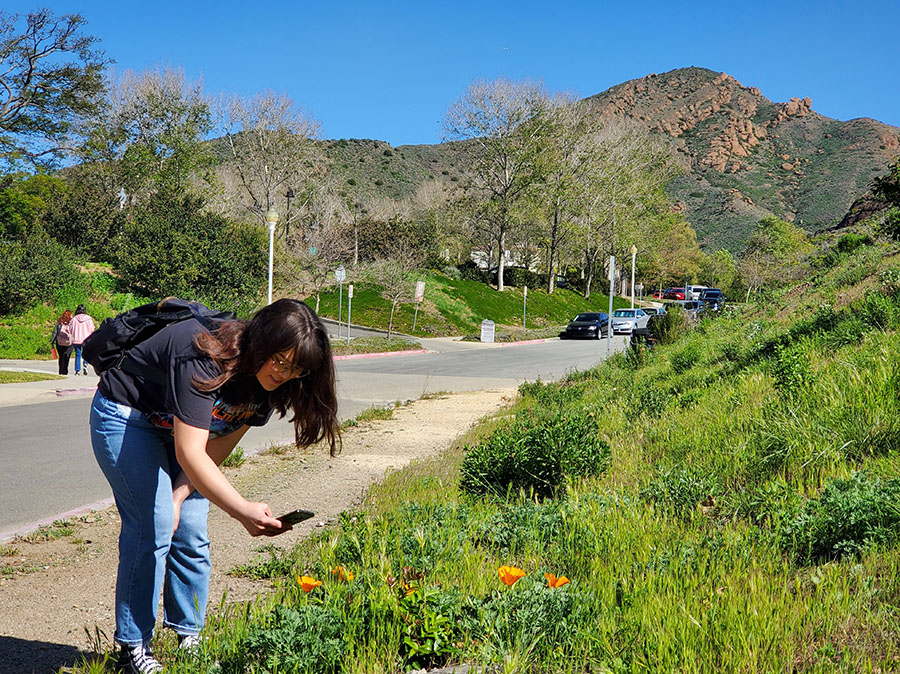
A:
[773,253]
[720,270]
[24,200]
[51,81]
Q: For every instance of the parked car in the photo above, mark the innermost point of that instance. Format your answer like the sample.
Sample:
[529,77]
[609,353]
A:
[674,294]
[654,311]
[587,325]
[713,297]
[659,294]
[624,321]
[693,292]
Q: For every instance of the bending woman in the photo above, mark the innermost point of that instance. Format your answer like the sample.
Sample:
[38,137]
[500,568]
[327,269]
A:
[160,439]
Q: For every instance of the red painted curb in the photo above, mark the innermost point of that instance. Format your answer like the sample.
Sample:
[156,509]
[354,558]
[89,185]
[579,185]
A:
[75,391]
[525,341]
[381,354]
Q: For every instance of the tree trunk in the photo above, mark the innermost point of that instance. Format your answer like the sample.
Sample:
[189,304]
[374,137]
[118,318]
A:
[391,322]
[501,261]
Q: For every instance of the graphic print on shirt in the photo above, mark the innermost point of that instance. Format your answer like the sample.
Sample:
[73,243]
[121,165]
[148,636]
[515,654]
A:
[226,417]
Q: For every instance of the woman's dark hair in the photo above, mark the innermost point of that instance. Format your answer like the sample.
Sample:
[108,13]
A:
[80,309]
[241,348]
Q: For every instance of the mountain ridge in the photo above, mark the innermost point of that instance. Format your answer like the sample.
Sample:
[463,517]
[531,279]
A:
[747,156]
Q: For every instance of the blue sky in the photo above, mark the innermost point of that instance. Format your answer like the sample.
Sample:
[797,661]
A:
[390,70]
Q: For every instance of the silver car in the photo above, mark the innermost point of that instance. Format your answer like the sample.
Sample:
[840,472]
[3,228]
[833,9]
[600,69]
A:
[625,321]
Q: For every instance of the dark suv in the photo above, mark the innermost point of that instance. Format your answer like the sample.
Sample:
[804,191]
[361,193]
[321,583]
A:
[713,298]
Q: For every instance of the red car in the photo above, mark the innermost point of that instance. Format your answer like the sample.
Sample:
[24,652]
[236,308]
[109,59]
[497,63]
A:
[674,294]
[658,294]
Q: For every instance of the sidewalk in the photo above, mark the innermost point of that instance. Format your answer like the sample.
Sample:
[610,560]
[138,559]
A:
[44,391]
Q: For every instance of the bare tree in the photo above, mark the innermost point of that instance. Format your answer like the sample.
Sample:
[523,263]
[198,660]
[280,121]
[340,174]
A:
[623,191]
[51,82]
[503,121]
[270,143]
[396,272]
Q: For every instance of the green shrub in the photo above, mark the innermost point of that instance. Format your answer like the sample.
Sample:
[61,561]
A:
[678,489]
[529,617]
[514,526]
[670,326]
[790,370]
[303,639]
[33,271]
[849,517]
[534,455]
[879,311]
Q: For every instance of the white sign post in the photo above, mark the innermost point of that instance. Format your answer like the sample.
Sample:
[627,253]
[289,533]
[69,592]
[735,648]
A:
[612,277]
[524,307]
[349,304]
[420,295]
[340,275]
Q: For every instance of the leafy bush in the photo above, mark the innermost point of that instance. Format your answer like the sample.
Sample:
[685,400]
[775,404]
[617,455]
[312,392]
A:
[530,617]
[515,525]
[678,489]
[534,455]
[669,326]
[790,370]
[33,271]
[849,517]
[177,249]
[304,639]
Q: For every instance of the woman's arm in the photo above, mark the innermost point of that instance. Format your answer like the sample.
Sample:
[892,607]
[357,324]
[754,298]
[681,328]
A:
[218,450]
[204,474]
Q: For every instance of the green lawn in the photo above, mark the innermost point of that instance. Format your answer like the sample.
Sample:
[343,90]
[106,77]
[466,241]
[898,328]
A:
[8,377]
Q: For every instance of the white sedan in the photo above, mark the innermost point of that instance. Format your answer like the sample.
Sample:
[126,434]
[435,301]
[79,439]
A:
[625,321]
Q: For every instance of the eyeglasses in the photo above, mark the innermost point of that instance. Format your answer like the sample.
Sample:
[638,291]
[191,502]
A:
[281,366]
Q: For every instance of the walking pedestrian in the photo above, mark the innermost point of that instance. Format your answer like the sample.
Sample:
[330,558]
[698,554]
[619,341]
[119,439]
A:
[61,340]
[80,328]
[160,439]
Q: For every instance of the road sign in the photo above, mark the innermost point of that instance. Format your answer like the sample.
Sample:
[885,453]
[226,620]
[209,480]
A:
[350,295]
[487,331]
[340,274]
[420,291]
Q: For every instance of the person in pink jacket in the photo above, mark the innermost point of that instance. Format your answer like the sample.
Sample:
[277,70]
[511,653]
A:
[80,327]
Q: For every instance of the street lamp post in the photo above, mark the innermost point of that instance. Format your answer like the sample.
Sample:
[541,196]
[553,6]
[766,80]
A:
[271,220]
[633,255]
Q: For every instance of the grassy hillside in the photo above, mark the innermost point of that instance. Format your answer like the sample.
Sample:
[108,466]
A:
[744,517]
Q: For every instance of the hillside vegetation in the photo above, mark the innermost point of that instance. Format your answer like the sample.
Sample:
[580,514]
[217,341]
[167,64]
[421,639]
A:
[727,502]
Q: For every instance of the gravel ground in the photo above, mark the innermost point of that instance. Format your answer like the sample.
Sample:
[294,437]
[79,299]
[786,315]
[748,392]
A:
[57,596]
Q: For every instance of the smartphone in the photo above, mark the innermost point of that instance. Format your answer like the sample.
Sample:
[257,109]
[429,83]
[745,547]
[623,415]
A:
[296,516]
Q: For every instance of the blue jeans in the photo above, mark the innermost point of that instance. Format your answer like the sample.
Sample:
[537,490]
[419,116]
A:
[77,358]
[138,460]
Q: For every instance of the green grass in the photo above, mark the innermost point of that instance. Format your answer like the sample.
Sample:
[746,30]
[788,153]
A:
[8,377]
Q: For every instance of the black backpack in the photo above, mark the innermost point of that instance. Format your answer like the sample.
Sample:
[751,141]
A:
[108,345]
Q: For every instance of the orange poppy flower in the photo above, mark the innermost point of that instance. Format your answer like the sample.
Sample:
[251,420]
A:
[308,583]
[555,582]
[342,574]
[510,575]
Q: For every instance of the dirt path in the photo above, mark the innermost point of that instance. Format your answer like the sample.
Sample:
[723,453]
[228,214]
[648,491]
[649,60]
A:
[64,589]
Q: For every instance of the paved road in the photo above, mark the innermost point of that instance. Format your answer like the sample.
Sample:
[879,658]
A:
[49,469]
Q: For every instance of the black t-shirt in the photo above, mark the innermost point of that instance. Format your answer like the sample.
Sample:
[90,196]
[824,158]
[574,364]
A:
[172,351]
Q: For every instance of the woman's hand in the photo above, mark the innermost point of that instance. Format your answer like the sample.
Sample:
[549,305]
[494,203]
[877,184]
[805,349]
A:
[258,520]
